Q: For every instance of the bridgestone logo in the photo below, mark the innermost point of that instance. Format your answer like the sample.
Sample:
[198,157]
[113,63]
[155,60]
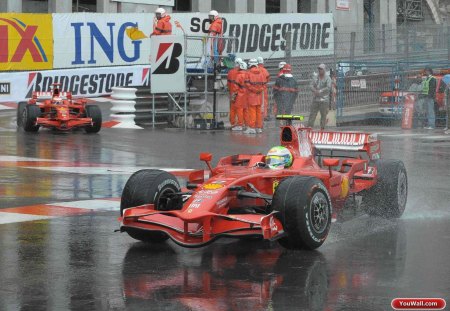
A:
[272,37]
[168,182]
[81,84]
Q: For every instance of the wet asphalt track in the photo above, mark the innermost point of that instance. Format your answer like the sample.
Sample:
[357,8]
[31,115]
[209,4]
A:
[77,262]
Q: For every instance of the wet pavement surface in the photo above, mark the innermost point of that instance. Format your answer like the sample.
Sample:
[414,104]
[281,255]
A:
[59,207]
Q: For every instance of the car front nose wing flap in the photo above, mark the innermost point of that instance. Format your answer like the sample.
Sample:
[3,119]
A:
[200,230]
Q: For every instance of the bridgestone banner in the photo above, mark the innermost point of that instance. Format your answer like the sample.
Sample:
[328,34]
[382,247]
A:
[90,82]
[91,39]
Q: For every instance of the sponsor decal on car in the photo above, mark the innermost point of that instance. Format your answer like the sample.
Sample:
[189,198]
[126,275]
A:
[344,187]
[275,185]
[212,186]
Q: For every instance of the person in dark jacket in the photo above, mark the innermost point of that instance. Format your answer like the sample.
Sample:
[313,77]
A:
[285,91]
[429,95]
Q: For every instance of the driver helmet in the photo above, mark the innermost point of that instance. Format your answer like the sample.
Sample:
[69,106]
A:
[57,100]
[279,157]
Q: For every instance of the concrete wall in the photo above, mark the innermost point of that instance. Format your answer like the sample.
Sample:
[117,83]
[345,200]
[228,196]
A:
[256,6]
[35,7]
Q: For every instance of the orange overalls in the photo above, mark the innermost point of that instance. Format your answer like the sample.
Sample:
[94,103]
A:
[233,89]
[163,27]
[265,106]
[255,84]
[241,101]
[216,44]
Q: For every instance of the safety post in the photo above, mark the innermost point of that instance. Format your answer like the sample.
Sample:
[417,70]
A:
[123,110]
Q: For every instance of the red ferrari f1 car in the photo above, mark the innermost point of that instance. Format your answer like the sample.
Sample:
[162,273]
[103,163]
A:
[246,195]
[58,110]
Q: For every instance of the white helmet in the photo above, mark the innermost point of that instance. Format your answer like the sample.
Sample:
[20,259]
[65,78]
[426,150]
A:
[260,60]
[243,65]
[213,14]
[252,62]
[161,12]
[281,65]
[237,61]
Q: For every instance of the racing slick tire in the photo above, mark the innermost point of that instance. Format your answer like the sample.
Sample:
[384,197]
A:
[387,198]
[148,187]
[29,116]
[20,107]
[304,208]
[92,111]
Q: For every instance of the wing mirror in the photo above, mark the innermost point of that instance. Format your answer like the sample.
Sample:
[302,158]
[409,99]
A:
[330,162]
[207,158]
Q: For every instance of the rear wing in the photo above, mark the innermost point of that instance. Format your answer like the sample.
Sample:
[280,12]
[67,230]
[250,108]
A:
[347,141]
[49,95]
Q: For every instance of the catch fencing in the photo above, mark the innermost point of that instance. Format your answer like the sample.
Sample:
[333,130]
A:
[376,90]
[376,59]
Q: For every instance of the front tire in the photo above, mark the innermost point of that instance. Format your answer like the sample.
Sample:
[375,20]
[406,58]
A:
[92,111]
[29,116]
[304,209]
[387,198]
[150,187]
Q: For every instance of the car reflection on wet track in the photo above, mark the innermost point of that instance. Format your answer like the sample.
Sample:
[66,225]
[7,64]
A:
[243,275]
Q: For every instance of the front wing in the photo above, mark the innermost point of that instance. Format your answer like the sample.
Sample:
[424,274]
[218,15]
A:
[201,230]
[64,124]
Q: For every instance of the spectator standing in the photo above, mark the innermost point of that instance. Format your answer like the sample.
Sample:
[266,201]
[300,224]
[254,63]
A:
[429,94]
[241,102]
[285,91]
[255,85]
[265,73]
[215,32]
[321,88]
[162,25]
[233,89]
[280,68]
[447,105]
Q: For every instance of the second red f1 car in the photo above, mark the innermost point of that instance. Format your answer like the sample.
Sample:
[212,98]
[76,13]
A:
[59,112]
[287,195]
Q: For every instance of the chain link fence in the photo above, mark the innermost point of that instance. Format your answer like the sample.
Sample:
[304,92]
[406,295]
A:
[370,62]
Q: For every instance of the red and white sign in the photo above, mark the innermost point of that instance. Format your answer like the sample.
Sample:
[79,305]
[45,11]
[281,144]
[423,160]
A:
[343,5]
[408,111]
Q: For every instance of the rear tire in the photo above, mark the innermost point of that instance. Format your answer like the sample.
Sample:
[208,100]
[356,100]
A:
[29,115]
[388,197]
[304,208]
[20,107]
[92,111]
[150,187]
